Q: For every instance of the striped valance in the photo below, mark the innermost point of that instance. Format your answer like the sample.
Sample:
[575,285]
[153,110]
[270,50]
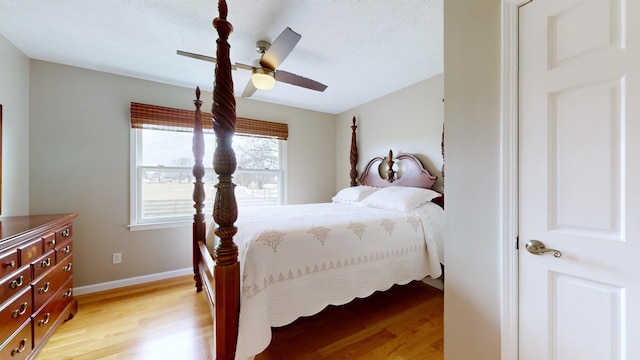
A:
[144,116]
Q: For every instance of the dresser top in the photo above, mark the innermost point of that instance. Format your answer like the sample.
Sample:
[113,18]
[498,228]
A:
[14,229]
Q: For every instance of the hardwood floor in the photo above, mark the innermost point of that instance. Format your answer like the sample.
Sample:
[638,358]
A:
[160,320]
[169,320]
[405,322]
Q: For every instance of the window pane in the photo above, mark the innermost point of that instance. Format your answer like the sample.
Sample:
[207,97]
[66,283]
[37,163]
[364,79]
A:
[256,153]
[257,187]
[168,193]
[165,180]
[168,148]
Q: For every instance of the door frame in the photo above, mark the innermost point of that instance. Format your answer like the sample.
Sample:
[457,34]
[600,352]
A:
[509,179]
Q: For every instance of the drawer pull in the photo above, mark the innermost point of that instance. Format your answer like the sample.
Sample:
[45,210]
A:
[44,321]
[46,263]
[68,293]
[23,345]
[17,282]
[65,232]
[10,264]
[67,268]
[44,289]
[21,311]
[52,242]
[65,250]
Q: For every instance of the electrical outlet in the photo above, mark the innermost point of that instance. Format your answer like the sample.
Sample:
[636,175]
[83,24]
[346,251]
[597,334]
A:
[117,258]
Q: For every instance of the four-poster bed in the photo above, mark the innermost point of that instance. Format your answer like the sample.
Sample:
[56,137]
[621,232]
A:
[291,263]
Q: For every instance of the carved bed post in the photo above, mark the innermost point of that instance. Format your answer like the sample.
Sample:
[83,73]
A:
[225,211]
[199,225]
[353,156]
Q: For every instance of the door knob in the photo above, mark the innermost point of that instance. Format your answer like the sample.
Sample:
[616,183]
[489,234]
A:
[537,248]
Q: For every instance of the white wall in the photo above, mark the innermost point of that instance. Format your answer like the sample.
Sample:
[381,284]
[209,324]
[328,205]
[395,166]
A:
[409,120]
[79,162]
[14,97]
[472,145]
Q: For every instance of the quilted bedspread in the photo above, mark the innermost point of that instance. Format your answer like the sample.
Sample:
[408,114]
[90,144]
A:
[297,259]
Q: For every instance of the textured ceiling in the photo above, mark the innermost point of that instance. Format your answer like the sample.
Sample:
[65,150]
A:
[361,49]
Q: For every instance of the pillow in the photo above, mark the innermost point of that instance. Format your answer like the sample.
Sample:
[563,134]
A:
[354,194]
[400,198]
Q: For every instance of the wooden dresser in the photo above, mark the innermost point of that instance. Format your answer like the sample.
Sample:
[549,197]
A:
[36,285]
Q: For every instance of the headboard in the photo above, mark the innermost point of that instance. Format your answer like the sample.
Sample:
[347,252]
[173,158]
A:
[410,172]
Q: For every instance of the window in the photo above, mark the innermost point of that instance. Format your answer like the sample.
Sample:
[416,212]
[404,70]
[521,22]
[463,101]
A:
[162,161]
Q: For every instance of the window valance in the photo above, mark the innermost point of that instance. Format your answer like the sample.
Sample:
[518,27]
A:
[144,116]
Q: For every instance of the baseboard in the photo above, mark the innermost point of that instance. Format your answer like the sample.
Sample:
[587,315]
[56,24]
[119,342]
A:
[109,285]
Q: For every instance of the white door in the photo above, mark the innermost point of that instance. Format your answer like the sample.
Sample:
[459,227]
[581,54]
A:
[579,174]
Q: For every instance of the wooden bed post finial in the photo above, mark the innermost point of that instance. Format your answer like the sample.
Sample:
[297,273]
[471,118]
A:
[353,156]
[391,174]
[225,209]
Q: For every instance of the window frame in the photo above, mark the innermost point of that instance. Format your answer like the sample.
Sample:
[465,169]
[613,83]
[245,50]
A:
[146,116]
[135,208]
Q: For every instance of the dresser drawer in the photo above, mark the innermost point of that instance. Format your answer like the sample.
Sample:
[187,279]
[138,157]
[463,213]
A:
[64,234]
[8,262]
[49,314]
[16,282]
[49,242]
[19,346]
[63,250]
[15,313]
[45,286]
[43,264]
[30,251]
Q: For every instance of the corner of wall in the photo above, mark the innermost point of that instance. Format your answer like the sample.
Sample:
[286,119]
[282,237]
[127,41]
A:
[14,96]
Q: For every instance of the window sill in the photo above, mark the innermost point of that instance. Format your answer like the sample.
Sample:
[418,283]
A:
[162,225]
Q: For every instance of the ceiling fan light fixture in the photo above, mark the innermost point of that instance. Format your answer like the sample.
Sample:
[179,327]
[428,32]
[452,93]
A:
[263,79]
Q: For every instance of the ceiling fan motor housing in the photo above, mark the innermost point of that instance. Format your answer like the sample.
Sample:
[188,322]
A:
[262,46]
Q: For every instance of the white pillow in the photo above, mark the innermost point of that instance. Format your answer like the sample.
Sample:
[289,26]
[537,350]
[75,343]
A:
[354,194]
[400,198]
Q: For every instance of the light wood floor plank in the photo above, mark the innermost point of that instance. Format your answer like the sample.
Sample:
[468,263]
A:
[169,320]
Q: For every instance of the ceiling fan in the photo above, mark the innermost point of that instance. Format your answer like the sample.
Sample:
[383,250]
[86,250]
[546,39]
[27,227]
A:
[265,70]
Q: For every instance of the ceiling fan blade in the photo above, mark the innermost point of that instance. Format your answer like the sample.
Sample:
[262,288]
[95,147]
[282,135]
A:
[196,56]
[243,66]
[212,59]
[280,49]
[249,90]
[293,79]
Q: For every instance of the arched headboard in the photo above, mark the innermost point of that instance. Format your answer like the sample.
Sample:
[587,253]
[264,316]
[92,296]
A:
[403,170]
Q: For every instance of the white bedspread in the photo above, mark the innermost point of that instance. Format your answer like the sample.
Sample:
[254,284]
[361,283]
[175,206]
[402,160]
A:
[297,259]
